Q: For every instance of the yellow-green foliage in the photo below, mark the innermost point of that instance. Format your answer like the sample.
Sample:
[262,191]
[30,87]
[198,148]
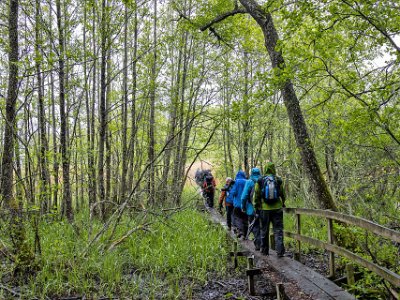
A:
[148,264]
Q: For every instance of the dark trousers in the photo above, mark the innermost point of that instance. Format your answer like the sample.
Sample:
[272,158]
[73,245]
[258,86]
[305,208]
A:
[276,218]
[256,228]
[209,198]
[240,221]
[229,216]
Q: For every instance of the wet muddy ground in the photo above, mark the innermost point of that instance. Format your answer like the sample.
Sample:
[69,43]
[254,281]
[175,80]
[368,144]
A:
[234,285]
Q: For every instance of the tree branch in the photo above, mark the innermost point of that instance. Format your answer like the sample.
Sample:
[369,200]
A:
[223,17]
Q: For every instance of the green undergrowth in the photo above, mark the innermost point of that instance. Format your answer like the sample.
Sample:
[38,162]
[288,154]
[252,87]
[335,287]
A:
[164,261]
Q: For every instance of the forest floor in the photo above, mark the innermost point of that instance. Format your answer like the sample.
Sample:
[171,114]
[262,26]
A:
[234,286]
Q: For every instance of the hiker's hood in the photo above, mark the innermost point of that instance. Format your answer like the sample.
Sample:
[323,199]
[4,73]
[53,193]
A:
[255,174]
[241,175]
[270,168]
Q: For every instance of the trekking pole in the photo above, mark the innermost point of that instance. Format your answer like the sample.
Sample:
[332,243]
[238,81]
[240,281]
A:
[251,226]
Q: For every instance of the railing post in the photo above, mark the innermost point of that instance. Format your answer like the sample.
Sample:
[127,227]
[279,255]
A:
[280,291]
[235,256]
[297,254]
[250,278]
[331,254]
[350,274]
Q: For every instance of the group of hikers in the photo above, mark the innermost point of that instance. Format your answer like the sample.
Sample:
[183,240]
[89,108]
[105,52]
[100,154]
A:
[251,204]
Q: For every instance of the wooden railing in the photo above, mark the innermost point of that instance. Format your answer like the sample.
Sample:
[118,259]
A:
[331,216]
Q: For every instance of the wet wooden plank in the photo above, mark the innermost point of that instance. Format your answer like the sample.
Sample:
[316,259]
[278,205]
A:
[311,282]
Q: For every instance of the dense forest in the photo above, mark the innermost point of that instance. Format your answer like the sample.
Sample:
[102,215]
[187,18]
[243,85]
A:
[108,106]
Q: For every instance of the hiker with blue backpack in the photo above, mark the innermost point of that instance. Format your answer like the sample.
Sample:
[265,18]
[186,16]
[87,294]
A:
[239,218]
[227,198]
[249,208]
[270,198]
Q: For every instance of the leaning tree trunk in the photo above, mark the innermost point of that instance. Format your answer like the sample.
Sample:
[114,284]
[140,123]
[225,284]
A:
[320,188]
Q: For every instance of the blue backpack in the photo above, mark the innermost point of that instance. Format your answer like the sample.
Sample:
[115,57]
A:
[269,189]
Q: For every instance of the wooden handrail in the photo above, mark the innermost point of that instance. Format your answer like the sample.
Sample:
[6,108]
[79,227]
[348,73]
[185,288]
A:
[381,271]
[360,222]
[382,231]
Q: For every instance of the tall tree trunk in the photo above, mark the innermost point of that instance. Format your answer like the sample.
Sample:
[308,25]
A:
[108,136]
[102,110]
[246,121]
[227,123]
[56,167]
[132,140]
[90,154]
[30,195]
[151,153]
[320,188]
[44,172]
[92,162]
[180,147]
[23,255]
[55,185]
[123,190]
[67,200]
[7,165]
[165,186]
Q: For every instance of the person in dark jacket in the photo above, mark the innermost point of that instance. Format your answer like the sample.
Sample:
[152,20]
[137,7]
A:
[209,188]
[271,212]
[227,199]
[240,218]
[247,201]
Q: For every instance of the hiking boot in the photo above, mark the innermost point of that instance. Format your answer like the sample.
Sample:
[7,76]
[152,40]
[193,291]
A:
[265,252]
[281,254]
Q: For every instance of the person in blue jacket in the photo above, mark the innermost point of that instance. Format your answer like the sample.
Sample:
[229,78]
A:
[248,205]
[240,218]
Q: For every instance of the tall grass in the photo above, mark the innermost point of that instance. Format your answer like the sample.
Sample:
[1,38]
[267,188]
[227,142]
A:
[163,262]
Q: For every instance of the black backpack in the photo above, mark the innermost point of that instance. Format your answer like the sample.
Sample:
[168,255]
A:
[208,183]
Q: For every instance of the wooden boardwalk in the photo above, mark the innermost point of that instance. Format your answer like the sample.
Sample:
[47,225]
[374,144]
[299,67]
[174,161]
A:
[310,282]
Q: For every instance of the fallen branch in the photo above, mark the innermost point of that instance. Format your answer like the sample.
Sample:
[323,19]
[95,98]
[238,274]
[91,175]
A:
[128,234]
[11,291]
